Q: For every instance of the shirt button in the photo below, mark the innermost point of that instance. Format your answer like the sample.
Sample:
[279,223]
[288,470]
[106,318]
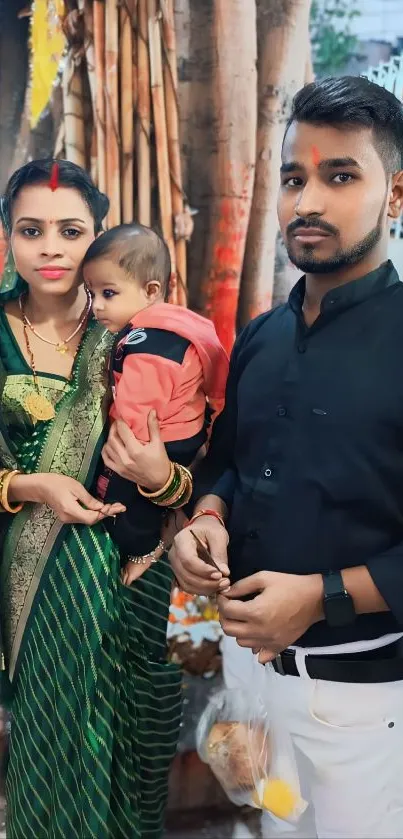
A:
[252,534]
[267,473]
[301,348]
[281,411]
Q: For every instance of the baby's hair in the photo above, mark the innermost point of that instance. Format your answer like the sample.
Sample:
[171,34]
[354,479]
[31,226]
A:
[139,250]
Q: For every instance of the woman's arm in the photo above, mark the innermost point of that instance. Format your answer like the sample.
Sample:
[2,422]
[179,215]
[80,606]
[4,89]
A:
[67,497]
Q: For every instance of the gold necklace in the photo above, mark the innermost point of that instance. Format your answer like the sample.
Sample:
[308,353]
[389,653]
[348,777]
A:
[35,403]
[60,346]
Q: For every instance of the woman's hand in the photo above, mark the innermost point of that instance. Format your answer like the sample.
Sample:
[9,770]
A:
[146,464]
[67,497]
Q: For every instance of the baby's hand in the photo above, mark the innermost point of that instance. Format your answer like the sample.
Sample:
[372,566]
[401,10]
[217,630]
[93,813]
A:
[133,571]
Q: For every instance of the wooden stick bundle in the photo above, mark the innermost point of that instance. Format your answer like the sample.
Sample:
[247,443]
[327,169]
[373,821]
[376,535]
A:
[172,121]
[126,109]
[130,58]
[99,56]
[143,117]
[112,111]
[161,134]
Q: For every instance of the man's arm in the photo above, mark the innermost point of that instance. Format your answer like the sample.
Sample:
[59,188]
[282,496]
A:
[284,606]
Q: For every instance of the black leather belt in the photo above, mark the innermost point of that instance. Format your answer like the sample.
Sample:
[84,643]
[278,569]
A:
[384,664]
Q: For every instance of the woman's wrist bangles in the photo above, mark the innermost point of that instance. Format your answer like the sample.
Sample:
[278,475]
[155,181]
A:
[6,476]
[176,492]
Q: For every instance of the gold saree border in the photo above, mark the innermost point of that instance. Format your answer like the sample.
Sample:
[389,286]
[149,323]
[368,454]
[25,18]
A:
[68,449]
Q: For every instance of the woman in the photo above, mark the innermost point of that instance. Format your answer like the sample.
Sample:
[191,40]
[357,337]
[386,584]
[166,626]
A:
[96,709]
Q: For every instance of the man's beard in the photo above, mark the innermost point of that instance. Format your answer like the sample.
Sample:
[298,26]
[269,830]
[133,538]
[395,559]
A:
[310,264]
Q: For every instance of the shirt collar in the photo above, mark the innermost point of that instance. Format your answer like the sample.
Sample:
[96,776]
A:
[343,297]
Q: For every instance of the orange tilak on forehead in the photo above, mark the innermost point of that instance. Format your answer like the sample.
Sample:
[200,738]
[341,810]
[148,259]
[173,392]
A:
[315,155]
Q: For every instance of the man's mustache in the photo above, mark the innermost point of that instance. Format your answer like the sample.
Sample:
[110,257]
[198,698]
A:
[309,223]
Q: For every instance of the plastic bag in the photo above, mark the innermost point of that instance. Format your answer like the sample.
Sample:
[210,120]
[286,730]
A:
[245,741]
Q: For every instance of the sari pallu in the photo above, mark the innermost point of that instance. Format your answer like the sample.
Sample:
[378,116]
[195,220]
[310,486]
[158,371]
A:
[96,709]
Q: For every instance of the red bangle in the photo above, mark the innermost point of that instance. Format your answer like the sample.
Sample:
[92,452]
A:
[206,513]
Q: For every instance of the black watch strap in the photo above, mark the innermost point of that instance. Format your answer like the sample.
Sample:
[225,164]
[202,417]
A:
[333,583]
[338,604]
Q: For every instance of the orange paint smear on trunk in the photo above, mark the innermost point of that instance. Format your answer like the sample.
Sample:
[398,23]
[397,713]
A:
[222,285]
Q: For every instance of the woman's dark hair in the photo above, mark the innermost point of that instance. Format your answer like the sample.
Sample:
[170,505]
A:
[354,102]
[69,175]
[139,250]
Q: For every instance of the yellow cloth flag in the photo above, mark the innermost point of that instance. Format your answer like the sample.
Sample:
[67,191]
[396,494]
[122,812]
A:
[47,46]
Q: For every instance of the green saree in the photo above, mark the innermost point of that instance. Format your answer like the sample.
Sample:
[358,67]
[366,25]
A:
[96,708]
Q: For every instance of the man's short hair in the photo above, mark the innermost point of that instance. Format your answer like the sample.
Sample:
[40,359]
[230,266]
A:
[354,102]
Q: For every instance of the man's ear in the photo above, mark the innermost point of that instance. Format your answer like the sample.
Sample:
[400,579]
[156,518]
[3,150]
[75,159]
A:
[396,196]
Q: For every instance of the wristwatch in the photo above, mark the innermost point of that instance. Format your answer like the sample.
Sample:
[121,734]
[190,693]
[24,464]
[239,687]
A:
[338,604]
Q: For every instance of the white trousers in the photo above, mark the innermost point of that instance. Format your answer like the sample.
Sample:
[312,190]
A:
[349,748]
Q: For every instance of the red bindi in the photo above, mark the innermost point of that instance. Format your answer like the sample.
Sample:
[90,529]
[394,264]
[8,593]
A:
[315,156]
[54,177]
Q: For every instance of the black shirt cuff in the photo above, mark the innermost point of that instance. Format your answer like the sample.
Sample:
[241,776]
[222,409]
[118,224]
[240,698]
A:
[387,574]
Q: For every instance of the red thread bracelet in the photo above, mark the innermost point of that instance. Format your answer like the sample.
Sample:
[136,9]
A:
[205,513]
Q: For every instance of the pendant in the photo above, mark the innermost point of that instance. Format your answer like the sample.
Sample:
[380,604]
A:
[62,349]
[39,406]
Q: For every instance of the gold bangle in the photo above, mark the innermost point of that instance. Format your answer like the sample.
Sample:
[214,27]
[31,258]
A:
[3,472]
[185,498]
[152,495]
[5,483]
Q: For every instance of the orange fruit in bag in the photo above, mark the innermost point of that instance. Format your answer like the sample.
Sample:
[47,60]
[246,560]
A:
[277,797]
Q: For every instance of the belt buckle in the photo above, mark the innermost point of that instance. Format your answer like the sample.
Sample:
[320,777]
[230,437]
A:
[279,662]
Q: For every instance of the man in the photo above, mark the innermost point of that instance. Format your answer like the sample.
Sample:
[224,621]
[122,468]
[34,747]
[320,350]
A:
[305,468]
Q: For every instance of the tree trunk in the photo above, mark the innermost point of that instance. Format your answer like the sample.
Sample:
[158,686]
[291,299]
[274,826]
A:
[309,71]
[282,51]
[234,99]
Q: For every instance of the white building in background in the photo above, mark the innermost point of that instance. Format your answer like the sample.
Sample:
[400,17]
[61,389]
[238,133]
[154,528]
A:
[379,20]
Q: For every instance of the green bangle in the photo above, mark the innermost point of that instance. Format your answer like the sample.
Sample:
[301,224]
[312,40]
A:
[171,489]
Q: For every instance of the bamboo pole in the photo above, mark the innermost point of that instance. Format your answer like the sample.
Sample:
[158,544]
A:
[143,117]
[134,78]
[99,121]
[73,112]
[86,8]
[172,118]
[112,111]
[126,109]
[161,135]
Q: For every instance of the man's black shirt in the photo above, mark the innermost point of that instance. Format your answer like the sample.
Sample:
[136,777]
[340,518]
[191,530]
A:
[308,453]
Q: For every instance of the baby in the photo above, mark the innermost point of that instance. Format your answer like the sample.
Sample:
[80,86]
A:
[165,358]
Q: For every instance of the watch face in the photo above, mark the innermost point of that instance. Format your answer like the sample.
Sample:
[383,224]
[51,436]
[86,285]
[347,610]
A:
[339,609]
